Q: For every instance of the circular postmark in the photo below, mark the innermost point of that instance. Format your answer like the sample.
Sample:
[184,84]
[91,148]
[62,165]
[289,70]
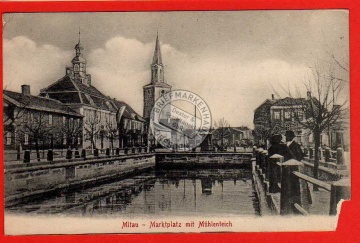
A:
[180,120]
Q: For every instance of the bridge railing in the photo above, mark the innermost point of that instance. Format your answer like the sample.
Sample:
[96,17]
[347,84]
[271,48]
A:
[327,157]
[289,180]
[27,156]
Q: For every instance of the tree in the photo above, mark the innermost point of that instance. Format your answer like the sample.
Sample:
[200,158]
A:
[92,126]
[222,130]
[111,129]
[71,129]
[323,106]
[36,126]
[263,125]
[12,118]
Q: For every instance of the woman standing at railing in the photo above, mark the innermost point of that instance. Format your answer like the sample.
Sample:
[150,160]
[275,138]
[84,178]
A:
[278,147]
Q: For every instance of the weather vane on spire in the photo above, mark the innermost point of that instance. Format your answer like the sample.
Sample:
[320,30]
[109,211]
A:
[79,34]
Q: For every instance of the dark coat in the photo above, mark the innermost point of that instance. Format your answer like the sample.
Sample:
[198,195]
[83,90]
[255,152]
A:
[280,149]
[296,151]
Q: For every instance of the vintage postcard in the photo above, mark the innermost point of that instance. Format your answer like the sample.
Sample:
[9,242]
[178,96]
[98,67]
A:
[201,121]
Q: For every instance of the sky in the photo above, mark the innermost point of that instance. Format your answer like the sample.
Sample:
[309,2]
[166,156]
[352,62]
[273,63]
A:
[234,60]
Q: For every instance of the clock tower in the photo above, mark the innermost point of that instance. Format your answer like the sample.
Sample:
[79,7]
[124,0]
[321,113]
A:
[157,85]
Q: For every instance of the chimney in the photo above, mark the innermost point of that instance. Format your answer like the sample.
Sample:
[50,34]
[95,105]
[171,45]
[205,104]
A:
[308,95]
[272,96]
[25,89]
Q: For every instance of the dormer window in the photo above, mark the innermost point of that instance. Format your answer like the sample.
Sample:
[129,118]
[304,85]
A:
[90,99]
[108,105]
[76,67]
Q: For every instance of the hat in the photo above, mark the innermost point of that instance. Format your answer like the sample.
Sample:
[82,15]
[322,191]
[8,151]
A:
[290,134]
[275,138]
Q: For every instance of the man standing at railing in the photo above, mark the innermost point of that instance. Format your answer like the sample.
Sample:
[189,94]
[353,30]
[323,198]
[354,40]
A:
[295,148]
[296,153]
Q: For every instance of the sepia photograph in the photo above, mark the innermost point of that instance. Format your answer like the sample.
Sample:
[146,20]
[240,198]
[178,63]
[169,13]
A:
[175,121]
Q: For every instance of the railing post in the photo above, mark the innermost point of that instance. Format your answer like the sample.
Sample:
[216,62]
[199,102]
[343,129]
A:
[266,164]
[77,153]
[50,155]
[96,153]
[83,154]
[311,150]
[340,157]
[274,172]
[293,190]
[69,153]
[27,156]
[254,150]
[107,152]
[263,160]
[327,154]
[258,156]
[339,190]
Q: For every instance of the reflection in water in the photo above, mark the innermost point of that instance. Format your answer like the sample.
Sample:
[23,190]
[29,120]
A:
[206,185]
[161,192]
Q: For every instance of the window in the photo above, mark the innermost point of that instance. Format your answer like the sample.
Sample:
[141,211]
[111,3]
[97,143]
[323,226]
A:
[76,67]
[26,139]
[299,114]
[50,119]
[8,138]
[287,114]
[276,115]
[63,120]
[64,140]
[287,127]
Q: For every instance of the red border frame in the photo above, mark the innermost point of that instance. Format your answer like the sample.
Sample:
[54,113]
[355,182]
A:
[348,226]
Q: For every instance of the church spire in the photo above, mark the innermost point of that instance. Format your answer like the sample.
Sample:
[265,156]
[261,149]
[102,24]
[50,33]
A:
[157,52]
[157,68]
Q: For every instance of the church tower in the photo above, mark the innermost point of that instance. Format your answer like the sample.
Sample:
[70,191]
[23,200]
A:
[78,70]
[157,85]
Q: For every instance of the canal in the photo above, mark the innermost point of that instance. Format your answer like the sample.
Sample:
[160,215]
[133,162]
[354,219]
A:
[156,192]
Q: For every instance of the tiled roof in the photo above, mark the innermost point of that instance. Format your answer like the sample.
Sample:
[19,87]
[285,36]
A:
[38,103]
[67,90]
[65,97]
[289,101]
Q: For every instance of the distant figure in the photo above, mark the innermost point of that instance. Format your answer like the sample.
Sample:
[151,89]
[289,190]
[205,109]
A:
[278,147]
[295,148]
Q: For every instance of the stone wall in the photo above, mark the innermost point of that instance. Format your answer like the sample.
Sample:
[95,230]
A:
[35,180]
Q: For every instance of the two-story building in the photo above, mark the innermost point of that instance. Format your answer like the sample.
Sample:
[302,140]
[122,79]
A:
[33,122]
[280,115]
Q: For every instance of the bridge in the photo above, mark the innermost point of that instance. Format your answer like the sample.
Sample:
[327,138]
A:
[283,187]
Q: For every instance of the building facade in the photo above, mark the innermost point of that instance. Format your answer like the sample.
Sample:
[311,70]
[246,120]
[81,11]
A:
[280,115]
[107,123]
[32,122]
